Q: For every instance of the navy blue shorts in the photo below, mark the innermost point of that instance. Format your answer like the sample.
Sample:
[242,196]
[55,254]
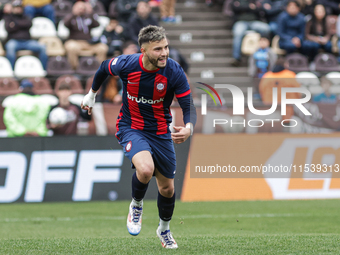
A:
[162,150]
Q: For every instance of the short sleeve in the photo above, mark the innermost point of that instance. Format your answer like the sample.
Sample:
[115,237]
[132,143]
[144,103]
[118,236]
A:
[181,85]
[115,65]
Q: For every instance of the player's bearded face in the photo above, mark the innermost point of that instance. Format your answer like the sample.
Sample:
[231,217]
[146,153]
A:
[159,62]
[158,53]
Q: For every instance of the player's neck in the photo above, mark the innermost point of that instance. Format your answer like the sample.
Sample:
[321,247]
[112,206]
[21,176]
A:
[147,65]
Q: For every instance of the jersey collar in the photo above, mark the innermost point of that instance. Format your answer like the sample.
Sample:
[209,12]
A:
[141,65]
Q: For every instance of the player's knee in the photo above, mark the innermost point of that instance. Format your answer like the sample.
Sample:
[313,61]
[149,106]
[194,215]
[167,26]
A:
[145,170]
[167,191]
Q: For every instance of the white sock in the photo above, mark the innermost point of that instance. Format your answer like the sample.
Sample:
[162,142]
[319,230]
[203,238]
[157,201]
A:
[164,225]
[137,203]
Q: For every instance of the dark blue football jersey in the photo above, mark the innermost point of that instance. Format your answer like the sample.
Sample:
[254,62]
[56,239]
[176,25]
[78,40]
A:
[147,95]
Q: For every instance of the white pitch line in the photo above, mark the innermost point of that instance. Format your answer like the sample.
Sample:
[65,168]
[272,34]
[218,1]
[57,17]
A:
[202,216]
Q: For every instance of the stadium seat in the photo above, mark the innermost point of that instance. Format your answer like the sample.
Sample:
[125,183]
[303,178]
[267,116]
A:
[275,46]
[297,62]
[112,10]
[2,51]
[41,85]
[250,43]
[62,8]
[326,62]
[8,86]
[63,32]
[88,65]
[28,66]
[3,32]
[98,31]
[49,99]
[54,46]
[99,9]
[334,77]
[59,66]
[307,79]
[5,67]
[334,89]
[73,81]
[42,27]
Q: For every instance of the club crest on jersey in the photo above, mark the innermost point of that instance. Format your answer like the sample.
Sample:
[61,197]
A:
[160,87]
[128,146]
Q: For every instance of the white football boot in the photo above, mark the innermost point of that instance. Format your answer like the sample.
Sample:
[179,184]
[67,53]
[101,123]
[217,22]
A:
[134,219]
[166,238]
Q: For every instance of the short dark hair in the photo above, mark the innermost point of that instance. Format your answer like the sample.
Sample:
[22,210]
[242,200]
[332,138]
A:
[295,2]
[151,34]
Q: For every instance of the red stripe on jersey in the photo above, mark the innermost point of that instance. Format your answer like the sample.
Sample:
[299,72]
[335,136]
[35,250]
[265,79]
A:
[110,66]
[141,65]
[118,119]
[137,121]
[159,91]
[183,94]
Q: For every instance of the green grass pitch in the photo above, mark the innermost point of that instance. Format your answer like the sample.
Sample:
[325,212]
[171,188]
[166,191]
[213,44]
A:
[252,227]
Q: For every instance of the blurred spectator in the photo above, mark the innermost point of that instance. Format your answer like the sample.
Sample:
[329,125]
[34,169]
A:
[249,15]
[308,7]
[5,8]
[167,10]
[273,8]
[106,4]
[325,97]
[279,77]
[17,25]
[26,113]
[113,36]
[73,113]
[263,60]
[155,3]
[332,6]
[317,32]
[80,22]
[129,47]
[35,8]
[178,57]
[126,8]
[291,28]
[141,19]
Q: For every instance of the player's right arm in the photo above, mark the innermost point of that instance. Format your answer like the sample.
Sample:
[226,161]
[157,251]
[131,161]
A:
[108,67]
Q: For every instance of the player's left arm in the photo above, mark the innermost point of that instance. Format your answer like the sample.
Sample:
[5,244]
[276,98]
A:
[184,97]
[108,67]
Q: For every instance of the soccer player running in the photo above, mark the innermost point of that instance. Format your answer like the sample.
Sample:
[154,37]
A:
[150,81]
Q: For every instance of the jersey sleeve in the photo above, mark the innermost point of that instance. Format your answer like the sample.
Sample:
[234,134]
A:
[111,66]
[183,95]
[182,87]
